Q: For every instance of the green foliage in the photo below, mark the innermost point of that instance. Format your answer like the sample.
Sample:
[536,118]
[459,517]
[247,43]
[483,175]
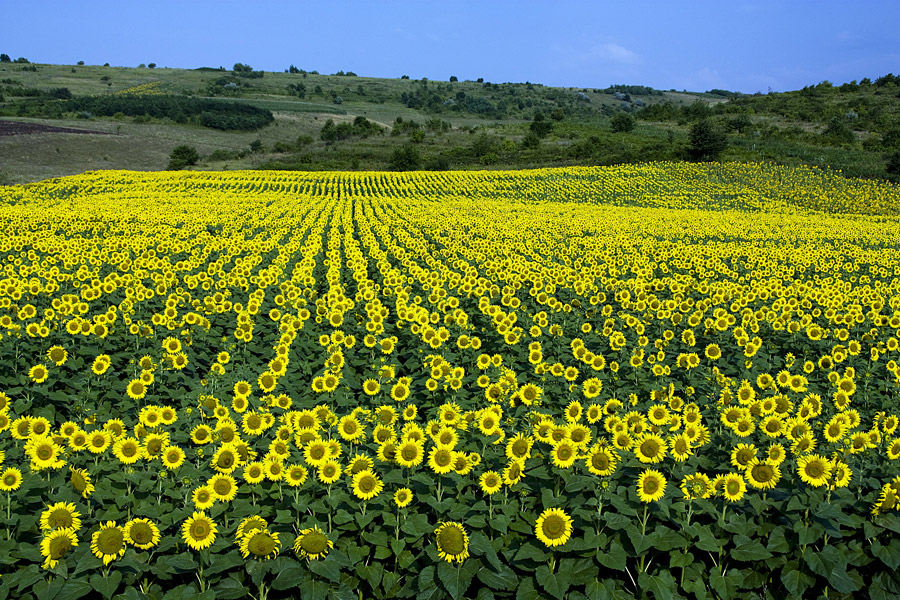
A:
[405,158]
[183,156]
[227,116]
[707,141]
[621,122]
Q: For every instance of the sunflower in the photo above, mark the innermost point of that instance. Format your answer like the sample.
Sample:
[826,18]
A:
[172,457]
[254,472]
[762,474]
[136,389]
[201,434]
[650,448]
[99,441]
[440,460]
[38,373]
[602,461]
[697,485]
[840,475]
[58,355]
[513,472]
[108,544]
[226,459]
[452,542]
[81,482]
[312,544]
[141,533]
[224,487]
[199,531]
[56,545]
[732,486]
[366,485]
[519,447]
[203,497]
[248,525]
[127,450]
[742,455]
[403,497]
[651,485]
[553,527]
[261,543]
[814,469]
[490,482]
[371,387]
[44,453]
[564,454]
[350,429]
[316,453]
[295,475]
[61,515]
[10,480]
[330,471]
[100,364]
[573,411]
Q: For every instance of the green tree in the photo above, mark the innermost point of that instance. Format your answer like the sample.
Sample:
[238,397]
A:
[540,126]
[893,164]
[405,158]
[182,156]
[621,122]
[706,141]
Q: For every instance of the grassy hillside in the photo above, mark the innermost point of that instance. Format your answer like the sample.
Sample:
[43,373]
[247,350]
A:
[402,123]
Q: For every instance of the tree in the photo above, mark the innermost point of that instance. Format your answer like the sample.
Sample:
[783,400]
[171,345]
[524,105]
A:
[706,141]
[183,156]
[621,122]
[558,115]
[453,79]
[5,58]
[893,164]
[531,141]
[151,66]
[405,158]
[540,126]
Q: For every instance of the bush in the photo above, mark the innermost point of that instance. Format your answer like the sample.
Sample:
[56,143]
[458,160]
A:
[531,141]
[706,141]
[621,122]
[405,158]
[182,156]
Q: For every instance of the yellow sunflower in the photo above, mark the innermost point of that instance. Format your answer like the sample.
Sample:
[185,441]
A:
[199,531]
[452,542]
[108,544]
[553,527]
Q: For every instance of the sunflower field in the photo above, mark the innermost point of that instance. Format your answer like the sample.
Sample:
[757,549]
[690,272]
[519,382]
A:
[663,380]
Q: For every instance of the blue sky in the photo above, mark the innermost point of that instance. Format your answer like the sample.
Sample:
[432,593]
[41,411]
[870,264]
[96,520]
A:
[697,45]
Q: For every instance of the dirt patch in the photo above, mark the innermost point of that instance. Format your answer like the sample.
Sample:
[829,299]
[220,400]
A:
[20,128]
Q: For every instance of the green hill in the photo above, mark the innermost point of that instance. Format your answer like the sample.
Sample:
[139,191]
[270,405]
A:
[65,119]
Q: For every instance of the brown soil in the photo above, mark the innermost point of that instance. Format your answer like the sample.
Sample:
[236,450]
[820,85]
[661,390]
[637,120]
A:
[19,128]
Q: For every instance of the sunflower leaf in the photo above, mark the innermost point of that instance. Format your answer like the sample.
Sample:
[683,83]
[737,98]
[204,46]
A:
[555,584]
[108,585]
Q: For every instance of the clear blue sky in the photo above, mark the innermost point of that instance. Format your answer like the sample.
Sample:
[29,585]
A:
[697,45]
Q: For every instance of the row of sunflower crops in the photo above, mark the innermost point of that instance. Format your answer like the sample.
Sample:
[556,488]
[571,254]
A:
[660,380]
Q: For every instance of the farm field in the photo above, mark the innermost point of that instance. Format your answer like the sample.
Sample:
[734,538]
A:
[660,380]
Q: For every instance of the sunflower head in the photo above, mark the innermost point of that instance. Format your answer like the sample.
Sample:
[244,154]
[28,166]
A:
[312,544]
[553,527]
[452,542]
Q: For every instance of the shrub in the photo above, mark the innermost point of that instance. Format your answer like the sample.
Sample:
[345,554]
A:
[405,158]
[182,156]
[706,141]
[621,122]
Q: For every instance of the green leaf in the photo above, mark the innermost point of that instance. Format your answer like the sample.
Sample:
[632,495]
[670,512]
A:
[526,590]
[668,539]
[616,520]
[615,558]
[107,586]
[796,581]
[47,590]
[530,552]
[555,585]
[224,562]
[289,577]
[577,571]
[479,545]
[500,523]
[455,579]
[504,579]
[680,559]
[890,554]
[74,589]
[749,550]
[230,588]
[327,569]
[724,585]
[416,526]
[777,542]
[884,586]
[661,586]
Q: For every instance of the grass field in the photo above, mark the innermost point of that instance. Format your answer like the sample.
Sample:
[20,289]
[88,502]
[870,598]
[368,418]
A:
[663,380]
[790,128]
